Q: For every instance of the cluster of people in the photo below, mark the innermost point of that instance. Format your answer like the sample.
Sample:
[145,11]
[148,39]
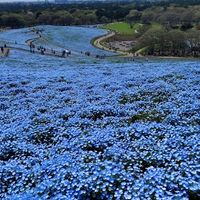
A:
[66,53]
[53,51]
[41,49]
[100,56]
[87,53]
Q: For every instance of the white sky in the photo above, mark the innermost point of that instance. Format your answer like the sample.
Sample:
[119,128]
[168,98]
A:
[1,1]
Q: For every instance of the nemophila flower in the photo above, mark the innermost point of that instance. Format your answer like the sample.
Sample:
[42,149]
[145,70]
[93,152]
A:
[101,131]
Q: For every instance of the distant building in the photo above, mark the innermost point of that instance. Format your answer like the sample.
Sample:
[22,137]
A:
[63,1]
[68,1]
[87,1]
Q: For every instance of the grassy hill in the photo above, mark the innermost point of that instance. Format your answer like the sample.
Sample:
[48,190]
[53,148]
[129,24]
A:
[123,27]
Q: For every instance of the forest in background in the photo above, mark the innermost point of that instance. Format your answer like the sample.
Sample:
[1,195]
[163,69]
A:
[168,28]
[23,15]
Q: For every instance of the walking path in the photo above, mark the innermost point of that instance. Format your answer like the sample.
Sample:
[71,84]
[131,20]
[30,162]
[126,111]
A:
[57,51]
[98,43]
[31,47]
[61,48]
[99,40]
[47,52]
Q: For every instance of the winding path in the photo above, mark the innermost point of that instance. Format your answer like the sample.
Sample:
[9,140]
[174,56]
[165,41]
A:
[58,53]
[26,46]
[99,40]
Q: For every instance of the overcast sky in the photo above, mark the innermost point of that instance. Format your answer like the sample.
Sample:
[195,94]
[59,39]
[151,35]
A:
[1,1]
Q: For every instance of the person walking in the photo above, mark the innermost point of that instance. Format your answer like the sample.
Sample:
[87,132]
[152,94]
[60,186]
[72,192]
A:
[2,50]
[42,51]
[63,53]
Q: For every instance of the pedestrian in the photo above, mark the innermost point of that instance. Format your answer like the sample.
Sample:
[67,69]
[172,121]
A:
[2,49]
[63,53]
[42,51]
[87,53]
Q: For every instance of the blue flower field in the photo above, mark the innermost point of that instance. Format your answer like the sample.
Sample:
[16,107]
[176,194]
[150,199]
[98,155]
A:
[99,131]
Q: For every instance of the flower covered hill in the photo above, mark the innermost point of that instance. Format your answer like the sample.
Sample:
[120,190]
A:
[74,38]
[99,131]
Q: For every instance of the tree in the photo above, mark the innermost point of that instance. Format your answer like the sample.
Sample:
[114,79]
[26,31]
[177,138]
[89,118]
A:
[45,18]
[171,18]
[178,42]
[153,41]
[62,18]
[12,20]
[104,19]
[193,41]
[134,15]
[147,17]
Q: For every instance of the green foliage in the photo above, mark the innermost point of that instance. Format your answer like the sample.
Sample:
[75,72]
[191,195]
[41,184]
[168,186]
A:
[134,15]
[152,116]
[169,15]
[12,20]
[123,27]
[159,41]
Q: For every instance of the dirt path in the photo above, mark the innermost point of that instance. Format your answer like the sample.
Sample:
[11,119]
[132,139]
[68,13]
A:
[58,51]
[98,44]
[73,52]
[98,41]
[30,41]
[26,47]
[38,33]
[47,52]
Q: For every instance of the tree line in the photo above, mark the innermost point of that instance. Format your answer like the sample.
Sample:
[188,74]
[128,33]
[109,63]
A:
[22,15]
[163,42]
[168,30]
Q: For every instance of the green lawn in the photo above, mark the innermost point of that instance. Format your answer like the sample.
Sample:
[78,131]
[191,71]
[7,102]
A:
[123,27]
